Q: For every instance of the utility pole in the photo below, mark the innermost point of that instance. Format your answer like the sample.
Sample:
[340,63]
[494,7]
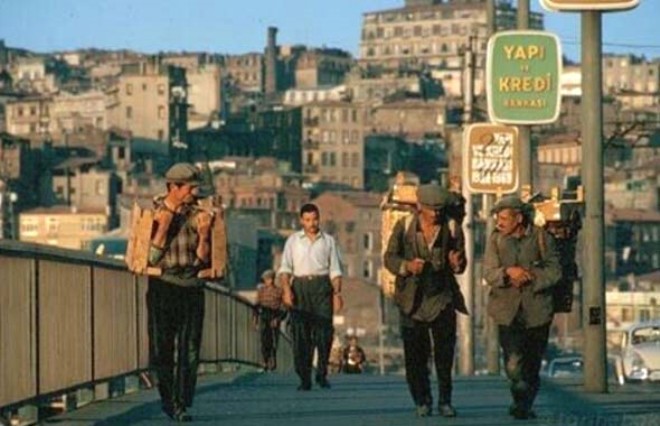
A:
[466,322]
[491,330]
[595,356]
[524,131]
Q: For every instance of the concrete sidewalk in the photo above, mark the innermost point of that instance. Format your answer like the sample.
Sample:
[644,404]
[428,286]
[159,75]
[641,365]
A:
[271,399]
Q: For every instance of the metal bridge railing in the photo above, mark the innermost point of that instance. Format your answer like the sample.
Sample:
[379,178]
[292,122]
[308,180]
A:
[70,319]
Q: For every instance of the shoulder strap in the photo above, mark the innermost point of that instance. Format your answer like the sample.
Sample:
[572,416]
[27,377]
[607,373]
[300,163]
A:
[407,222]
[541,241]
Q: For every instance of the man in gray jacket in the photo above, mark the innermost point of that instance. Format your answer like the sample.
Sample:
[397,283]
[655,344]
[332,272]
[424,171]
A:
[521,266]
[425,251]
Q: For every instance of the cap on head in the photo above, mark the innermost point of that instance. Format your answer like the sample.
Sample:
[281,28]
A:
[268,273]
[433,196]
[511,202]
[183,173]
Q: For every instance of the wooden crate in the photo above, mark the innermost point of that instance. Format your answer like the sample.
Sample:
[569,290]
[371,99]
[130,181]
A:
[219,250]
[139,241]
[390,216]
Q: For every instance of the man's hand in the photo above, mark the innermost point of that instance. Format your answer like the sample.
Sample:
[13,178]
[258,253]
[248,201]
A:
[415,266]
[519,276]
[203,220]
[163,217]
[456,260]
[337,303]
[287,296]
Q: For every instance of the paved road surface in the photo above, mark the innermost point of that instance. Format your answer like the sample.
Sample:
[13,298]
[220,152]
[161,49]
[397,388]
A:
[270,399]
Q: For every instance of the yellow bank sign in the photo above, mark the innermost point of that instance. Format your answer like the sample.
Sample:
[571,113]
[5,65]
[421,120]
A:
[575,5]
[523,70]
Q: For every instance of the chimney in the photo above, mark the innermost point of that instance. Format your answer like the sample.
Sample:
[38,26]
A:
[271,62]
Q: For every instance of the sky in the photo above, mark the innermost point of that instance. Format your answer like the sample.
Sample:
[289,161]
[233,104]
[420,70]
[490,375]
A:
[225,26]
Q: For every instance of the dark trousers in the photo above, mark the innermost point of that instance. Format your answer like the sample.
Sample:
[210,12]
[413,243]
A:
[269,336]
[311,326]
[417,350]
[523,350]
[175,322]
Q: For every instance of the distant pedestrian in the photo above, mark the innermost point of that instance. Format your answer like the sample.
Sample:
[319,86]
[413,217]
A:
[311,278]
[354,359]
[269,315]
[521,266]
[424,251]
[180,246]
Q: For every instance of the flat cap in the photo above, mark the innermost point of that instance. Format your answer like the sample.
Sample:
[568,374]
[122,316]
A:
[432,195]
[511,202]
[183,173]
[268,273]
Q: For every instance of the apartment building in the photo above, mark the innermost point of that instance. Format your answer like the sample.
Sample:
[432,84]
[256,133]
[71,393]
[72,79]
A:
[29,116]
[245,71]
[432,34]
[262,188]
[333,142]
[62,226]
[30,76]
[151,101]
[630,73]
[414,119]
[322,67]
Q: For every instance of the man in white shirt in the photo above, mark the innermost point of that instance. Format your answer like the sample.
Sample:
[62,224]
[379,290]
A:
[311,279]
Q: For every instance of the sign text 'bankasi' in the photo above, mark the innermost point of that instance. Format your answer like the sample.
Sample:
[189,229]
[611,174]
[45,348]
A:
[523,70]
[490,158]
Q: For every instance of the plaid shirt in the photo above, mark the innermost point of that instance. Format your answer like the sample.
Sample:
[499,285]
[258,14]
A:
[178,259]
[269,296]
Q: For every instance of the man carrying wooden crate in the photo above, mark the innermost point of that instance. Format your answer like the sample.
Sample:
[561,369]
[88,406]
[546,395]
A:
[181,248]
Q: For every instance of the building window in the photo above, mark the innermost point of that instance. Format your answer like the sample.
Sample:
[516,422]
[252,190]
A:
[368,241]
[644,315]
[161,134]
[161,89]
[344,159]
[99,187]
[144,87]
[355,160]
[129,89]
[333,159]
[324,159]
[626,315]
[129,112]
[367,269]
[30,228]
[161,111]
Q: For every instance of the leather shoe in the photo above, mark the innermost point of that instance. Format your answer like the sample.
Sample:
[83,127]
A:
[446,410]
[323,383]
[520,413]
[304,387]
[423,410]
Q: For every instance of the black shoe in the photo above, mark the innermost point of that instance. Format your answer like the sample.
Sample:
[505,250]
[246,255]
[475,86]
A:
[178,415]
[520,413]
[446,410]
[183,417]
[423,410]
[323,383]
[305,387]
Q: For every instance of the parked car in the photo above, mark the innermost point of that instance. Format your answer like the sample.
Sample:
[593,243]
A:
[640,352]
[566,367]
[572,367]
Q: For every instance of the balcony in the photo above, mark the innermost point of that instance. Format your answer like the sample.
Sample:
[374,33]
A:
[310,168]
